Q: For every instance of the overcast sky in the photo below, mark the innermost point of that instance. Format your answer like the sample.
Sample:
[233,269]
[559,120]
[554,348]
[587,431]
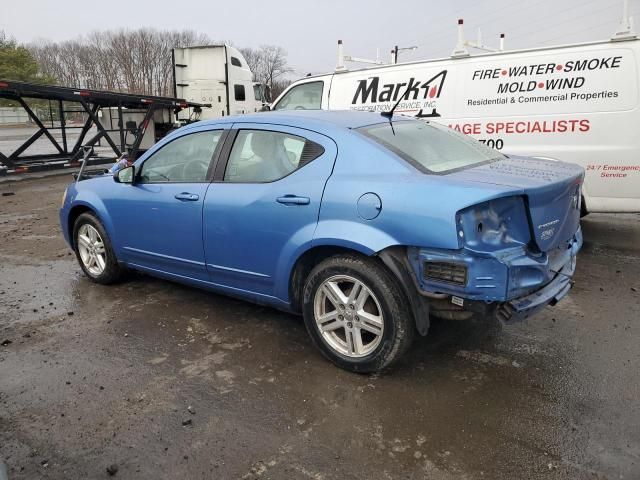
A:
[309,29]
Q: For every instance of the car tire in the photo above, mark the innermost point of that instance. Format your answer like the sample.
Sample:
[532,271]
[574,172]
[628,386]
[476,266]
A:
[377,313]
[94,251]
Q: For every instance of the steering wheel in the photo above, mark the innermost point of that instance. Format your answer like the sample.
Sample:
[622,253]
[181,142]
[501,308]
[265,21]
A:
[195,171]
[299,107]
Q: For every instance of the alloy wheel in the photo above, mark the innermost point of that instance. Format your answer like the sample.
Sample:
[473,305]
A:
[348,316]
[91,249]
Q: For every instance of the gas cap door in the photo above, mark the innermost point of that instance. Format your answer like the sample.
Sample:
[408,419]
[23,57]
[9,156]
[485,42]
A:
[369,206]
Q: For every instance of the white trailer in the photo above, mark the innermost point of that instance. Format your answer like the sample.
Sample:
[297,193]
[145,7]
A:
[219,75]
[578,103]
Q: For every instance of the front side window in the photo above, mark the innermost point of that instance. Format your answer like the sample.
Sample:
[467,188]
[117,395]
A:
[260,156]
[186,159]
[257,92]
[430,147]
[239,92]
[307,96]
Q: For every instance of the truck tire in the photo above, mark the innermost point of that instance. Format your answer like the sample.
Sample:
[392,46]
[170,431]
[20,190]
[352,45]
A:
[356,315]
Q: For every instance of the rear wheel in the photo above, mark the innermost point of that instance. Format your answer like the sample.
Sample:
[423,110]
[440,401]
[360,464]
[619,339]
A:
[93,250]
[356,315]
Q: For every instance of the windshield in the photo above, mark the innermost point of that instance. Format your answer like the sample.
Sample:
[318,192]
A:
[306,96]
[431,147]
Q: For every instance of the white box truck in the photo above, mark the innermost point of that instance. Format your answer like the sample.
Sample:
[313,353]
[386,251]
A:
[578,103]
[219,75]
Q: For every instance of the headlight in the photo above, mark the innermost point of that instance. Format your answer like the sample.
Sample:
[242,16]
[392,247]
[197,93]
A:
[494,225]
[64,198]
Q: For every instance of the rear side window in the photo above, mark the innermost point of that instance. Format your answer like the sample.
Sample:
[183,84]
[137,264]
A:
[260,156]
[186,159]
[235,62]
[307,96]
[239,93]
[430,147]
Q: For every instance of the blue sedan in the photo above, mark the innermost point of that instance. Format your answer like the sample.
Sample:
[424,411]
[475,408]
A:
[366,225]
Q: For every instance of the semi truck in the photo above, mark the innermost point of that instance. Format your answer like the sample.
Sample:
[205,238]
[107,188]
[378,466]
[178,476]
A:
[218,75]
[578,103]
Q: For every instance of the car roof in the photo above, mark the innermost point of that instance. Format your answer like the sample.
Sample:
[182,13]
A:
[309,118]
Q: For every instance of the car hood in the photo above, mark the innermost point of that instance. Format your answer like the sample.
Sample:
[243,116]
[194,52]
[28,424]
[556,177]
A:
[551,190]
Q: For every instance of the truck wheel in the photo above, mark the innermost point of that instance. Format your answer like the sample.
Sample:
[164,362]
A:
[93,250]
[356,314]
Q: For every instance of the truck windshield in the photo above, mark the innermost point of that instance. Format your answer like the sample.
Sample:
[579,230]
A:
[430,147]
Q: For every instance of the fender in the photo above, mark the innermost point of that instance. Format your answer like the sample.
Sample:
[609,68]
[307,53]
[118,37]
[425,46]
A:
[370,241]
[297,245]
[89,199]
[395,258]
[363,237]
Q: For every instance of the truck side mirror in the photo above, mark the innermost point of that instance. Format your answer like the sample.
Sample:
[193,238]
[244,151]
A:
[265,108]
[126,175]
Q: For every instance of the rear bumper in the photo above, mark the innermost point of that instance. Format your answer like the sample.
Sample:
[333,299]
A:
[511,284]
[524,307]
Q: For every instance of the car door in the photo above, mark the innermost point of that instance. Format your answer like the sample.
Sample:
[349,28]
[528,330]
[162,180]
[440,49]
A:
[264,204]
[158,218]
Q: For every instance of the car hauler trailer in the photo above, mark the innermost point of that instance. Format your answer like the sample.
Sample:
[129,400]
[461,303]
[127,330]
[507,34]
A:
[578,103]
[124,121]
[218,75]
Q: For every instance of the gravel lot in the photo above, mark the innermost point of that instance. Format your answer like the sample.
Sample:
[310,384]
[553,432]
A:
[156,380]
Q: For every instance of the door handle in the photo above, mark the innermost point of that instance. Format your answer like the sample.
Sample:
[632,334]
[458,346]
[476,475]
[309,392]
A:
[189,197]
[293,200]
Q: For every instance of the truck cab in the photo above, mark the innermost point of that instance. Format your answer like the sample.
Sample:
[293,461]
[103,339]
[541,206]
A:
[218,75]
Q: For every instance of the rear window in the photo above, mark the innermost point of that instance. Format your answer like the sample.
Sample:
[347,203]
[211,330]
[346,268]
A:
[430,147]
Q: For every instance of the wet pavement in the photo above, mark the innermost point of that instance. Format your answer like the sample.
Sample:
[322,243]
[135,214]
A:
[156,380]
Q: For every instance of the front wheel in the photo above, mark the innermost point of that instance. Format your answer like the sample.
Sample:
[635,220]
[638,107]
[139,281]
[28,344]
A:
[93,250]
[356,314]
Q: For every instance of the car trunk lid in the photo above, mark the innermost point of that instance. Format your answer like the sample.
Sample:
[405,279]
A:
[551,189]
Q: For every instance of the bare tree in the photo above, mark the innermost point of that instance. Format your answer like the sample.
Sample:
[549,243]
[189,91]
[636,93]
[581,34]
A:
[274,63]
[278,87]
[137,61]
[267,63]
[254,60]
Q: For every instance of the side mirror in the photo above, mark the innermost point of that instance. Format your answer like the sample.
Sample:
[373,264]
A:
[126,175]
[265,108]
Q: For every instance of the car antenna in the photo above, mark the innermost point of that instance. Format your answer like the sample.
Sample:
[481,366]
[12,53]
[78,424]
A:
[389,113]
